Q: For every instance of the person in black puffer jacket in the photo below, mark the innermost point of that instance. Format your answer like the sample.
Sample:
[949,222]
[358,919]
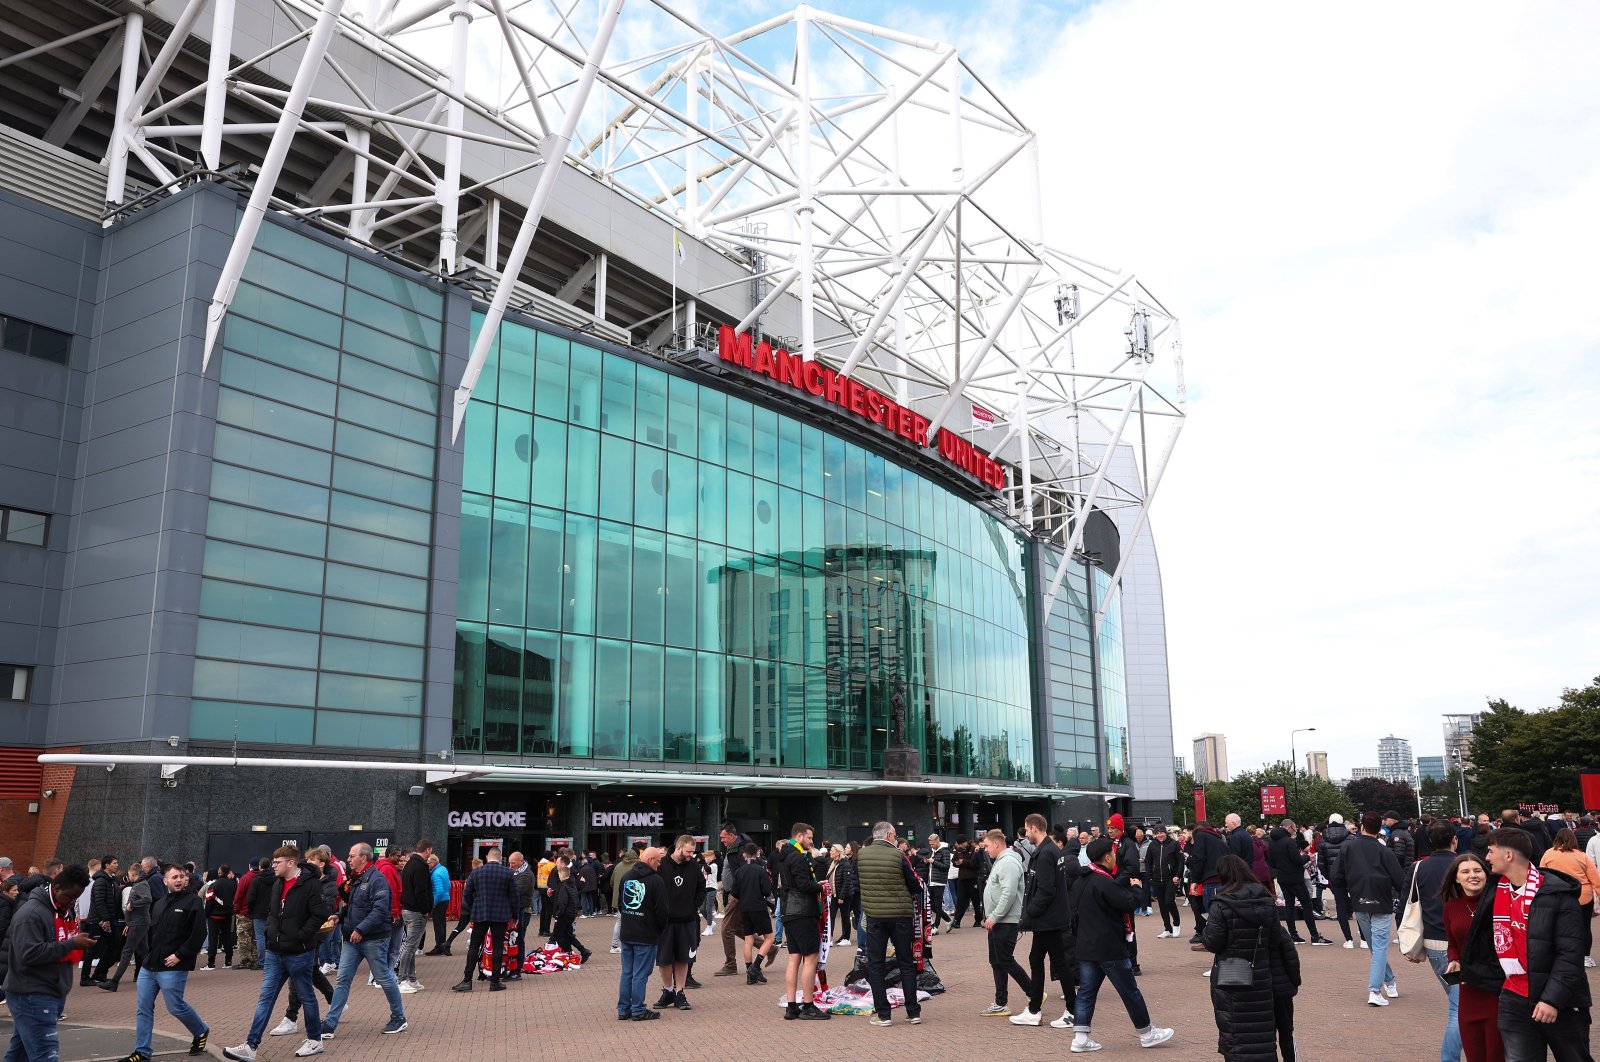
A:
[1329,851]
[846,894]
[1254,1021]
[296,908]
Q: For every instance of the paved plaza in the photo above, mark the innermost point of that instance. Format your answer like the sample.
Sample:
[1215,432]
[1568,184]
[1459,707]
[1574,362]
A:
[575,1011]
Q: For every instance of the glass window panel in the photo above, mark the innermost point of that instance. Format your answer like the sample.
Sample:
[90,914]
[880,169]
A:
[737,578]
[379,313]
[713,426]
[385,483]
[790,538]
[616,399]
[650,423]
[764,518]
[649,487]
[371,621]
[544,568]
[577,580]
[257,645]
[576,696]
[380,588]
[584,386]
[550,370]
[273,418]
[516,367]
[649,585]
[811,459]
[874,485]
[646,708]
[354,730]
[682,417]
[817,628]
[254,723]
[583,471]
[414,358]
[275,274]
[739,435]
[252,527]
[790,454]
[679,706]
[792,713]
[225,560]
[280,348]
[225,680]
[738,701]
[549,458]
[387,416]
[710,583]
[833,469]
[264,491]
[741,511]
[814,538]
[683,572]
[477,472]
[816,718]
[764,724]
[407,558]
[472,601]
[367,693]
[541,660]
[616,478]
[855,477]
[386,284]
[467,710]
[612,691]
[713,489]
[710,708]
[764,441]
[261,604]
[280,311]
[299,247]
[512,455]
[372,658]
[386,450]
[398,386]
[381,518]
[614,591]
[682,488]
[508,563]
[502,691]
[271,455]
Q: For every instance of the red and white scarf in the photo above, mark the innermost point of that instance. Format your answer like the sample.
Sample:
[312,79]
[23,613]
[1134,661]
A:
[1127,916]
[1511,906]
[66,929]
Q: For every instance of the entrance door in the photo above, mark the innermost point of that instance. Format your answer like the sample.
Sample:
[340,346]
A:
[243,850]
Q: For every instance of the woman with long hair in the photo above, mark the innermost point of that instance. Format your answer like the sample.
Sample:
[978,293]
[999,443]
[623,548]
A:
[1254,1021]
[846,892]
[1478,1002]
[1568,857]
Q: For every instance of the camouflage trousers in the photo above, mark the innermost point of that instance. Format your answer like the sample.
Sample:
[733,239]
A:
[245,931]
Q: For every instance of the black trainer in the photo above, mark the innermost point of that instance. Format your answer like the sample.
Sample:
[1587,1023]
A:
[682,1002]
[791,1011]
[197,1046]
[809,1012]
[668,998]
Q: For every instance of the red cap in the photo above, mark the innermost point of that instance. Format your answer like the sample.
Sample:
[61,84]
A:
[1115,823]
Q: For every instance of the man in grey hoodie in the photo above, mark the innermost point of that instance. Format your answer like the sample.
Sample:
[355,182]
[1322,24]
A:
[1002,906]
[45,946]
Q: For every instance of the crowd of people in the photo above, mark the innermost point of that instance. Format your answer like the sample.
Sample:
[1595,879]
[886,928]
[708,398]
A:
[1500,911]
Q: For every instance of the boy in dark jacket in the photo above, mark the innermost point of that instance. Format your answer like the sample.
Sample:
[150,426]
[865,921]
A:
[177,930]
[44,944]
[564,912]
[752,888]
[642,907]
[296,909]
[1104,912]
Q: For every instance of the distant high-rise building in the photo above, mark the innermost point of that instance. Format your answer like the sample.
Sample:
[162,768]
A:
[1317,764]
[1211,758]
[1179,764]
[1431,767]
[1395,760]
[1358,773]
[1458,737]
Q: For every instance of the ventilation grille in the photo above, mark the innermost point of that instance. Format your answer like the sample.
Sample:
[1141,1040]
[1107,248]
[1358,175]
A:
[47,174]
[21,774]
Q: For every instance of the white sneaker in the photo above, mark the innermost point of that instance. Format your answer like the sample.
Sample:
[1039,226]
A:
[1364,946]
[330,967]
[407,988]
[1392,990]
[616,949]
[842,942]
[1165,934]
[1349,945]
[203,969]
[1027,1017]
[1081,1044]
[309,1048]
[1063,1022]
[240,1053]
[706,932]
[1375,999]
[1588,962]
[286,1027]
[1154,1037]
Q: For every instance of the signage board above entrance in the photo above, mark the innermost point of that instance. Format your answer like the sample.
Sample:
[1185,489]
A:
[858,400]
[480,819]
[602,819]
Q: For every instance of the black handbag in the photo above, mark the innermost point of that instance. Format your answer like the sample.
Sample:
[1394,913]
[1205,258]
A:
[1235,972]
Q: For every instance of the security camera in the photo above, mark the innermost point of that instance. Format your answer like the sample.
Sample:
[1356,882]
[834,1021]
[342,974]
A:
[169,783]
[415,791]
[110,767]
[48,793]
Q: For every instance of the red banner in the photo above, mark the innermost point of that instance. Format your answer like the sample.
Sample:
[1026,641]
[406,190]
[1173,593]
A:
[1589,781]
[1199,804]
[1273,801]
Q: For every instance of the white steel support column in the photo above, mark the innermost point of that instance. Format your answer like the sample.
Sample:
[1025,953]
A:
[217,83]
[554,149]
[491,238]
[122,128]
[449,187]
[360,220]
[602,262]
[805,207]
[267,178]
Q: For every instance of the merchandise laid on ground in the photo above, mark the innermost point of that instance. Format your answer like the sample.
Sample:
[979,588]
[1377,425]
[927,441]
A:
[579,450]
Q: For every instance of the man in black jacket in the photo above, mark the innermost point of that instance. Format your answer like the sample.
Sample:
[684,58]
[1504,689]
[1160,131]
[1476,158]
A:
[1047,913]
[105,910]
[1288,865]
[1163,869]
[1530,921]
[1206,847]
[684,885]
[1369,870]
[733,843]
[802,896]
[44,944]
[1104,915]
[642,907]
[177,930]
[416,902]
[296,909]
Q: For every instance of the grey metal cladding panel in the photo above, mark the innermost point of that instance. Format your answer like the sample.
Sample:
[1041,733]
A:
[152,332]
[106,639]
[113,598]
[172,674]
[19,641]
[25,450]
[29,488]
[188,471]
[34,377]
[113,412]
[112,523]
[40,303]
[37,265]
[143,299]
[38,226]
[138,480]
[125,447]
[183,551]
[147,229]
[99,719]
[22,593]
[30,413]
[161,262]
[104,679]
[115,560]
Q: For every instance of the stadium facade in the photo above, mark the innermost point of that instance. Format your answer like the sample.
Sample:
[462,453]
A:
[656,520]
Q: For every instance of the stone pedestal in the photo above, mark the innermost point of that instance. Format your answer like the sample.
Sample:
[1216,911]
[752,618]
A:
[902,763]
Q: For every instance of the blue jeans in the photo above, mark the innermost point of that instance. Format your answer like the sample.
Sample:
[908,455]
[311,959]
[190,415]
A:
[1120,973]
[376,952]
[1450,1048]
[777,922]
[328,950]
[34,1037]
[1375,928]
[169,983]
[637,962]
[260,926]
[276,970]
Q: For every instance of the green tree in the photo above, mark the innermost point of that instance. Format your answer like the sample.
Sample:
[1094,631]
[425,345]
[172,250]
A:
[1534,757]
[1311,799]
[1381,795]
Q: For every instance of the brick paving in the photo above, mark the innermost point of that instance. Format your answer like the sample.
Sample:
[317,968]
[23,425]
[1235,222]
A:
[1331,1012]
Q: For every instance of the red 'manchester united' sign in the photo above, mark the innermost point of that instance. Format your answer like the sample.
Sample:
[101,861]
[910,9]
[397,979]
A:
[859,400]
